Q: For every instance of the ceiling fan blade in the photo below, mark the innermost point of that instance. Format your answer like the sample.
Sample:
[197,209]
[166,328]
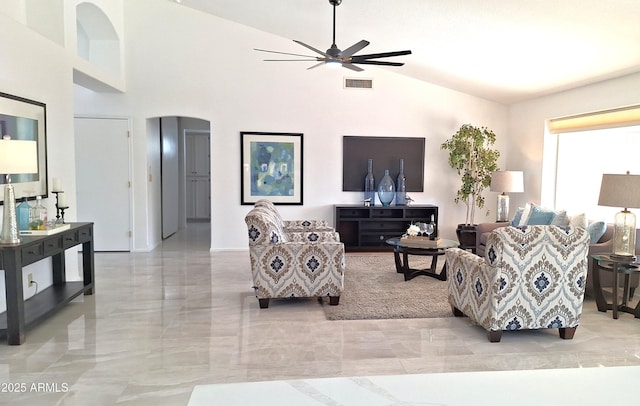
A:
[316,65]
[352,67]
[312,48]
[385,63]
[380,55]
[282,53]
[289,60]
[354,48]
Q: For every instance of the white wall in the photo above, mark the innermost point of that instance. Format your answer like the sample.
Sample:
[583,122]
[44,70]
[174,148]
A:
[528,143]
[38,69]
[184,63]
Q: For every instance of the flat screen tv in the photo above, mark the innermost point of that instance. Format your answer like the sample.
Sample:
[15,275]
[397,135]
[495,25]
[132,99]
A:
[386,153]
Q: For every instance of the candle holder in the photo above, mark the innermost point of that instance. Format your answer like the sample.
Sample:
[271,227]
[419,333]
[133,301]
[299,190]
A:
[59,209]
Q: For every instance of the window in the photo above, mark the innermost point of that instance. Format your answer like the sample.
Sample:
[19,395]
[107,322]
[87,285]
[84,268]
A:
[583,156]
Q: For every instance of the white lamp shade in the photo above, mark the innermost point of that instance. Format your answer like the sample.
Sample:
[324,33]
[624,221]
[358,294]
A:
[18,156]
[620,191]
[507,181]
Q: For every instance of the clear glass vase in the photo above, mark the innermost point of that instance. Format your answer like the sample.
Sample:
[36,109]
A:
[386,189]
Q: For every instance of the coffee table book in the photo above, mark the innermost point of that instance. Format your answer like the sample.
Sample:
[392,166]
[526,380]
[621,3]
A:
[48,231]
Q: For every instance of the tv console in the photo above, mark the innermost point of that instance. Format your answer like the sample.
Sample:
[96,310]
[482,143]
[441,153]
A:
[367,228]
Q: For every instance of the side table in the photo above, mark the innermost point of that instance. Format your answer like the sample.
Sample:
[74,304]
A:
[618,267]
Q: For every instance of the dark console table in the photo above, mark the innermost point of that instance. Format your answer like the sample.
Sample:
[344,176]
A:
[367,228]
[13,257]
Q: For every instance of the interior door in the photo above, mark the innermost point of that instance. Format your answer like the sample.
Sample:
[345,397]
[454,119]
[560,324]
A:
[198,179]
[103,180]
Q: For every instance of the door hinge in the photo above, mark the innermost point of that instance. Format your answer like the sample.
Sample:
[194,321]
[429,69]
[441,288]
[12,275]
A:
[130,234]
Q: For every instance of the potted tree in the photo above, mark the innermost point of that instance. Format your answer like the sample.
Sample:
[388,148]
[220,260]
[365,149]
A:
[472,156]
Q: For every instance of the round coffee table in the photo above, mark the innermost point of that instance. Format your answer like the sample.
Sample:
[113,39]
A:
[402,262]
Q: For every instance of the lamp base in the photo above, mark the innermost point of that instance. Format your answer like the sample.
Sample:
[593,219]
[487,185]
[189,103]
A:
[624,234]
[502,208]
[10,233]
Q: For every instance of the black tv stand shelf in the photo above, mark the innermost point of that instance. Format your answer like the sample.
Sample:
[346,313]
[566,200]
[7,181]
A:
[363,228]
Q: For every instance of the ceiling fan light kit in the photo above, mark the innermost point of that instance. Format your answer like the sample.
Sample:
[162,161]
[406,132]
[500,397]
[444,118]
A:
[334,55]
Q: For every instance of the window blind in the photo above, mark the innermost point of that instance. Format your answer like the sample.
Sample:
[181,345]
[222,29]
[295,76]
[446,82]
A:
[622,117]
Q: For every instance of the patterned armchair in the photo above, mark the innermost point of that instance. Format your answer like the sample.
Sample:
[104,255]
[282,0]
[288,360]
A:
[293,264]
[531,277]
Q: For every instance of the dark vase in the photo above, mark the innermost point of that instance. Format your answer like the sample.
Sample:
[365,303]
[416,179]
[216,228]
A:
[370,184]
[386,189]
[401,188]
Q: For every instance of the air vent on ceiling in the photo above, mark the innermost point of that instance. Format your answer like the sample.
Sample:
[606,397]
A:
[351,83]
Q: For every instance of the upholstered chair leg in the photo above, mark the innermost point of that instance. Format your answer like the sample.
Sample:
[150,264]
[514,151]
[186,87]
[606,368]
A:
[567,333]
[494,336]
[334,300]
[264,303]
[456,312]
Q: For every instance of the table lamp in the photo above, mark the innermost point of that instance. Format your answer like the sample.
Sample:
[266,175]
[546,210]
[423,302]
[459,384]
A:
[16,157]
[506,182]
[622,191]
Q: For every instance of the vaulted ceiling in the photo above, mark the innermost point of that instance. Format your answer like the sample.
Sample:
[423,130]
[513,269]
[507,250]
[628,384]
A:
[502,50]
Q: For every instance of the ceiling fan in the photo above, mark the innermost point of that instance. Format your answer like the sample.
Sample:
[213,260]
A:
[334,55]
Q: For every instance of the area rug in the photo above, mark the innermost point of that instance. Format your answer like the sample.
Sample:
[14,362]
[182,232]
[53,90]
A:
[374,290]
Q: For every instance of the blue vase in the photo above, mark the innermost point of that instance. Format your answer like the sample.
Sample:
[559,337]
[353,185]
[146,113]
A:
[401,188]
[386,189]
[23,210]
[370,184]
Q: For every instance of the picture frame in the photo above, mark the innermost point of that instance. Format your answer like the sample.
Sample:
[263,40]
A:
[25,119]
[271,167]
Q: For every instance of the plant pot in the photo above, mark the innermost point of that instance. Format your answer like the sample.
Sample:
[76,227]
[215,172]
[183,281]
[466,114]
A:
[466,236]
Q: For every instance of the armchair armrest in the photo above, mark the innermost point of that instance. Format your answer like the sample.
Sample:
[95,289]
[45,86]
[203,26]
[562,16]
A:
[306,225]
[482,230]
[313,236]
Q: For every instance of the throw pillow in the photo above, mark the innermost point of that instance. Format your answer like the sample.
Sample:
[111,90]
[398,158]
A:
[525,215]
[579,220]
[561,219]
[596,231]
[516,217]
[540,216]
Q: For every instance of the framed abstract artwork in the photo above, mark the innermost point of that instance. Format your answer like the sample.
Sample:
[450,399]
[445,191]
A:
[271,167]
[24,119]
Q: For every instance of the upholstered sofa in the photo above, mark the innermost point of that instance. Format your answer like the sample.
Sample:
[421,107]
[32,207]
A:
[531,277]
[287,264]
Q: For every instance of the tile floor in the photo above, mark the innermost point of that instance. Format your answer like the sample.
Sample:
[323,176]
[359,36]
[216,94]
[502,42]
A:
[163,322]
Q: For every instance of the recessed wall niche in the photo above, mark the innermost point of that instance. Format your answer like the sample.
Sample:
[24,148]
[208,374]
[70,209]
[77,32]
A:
[97,40]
